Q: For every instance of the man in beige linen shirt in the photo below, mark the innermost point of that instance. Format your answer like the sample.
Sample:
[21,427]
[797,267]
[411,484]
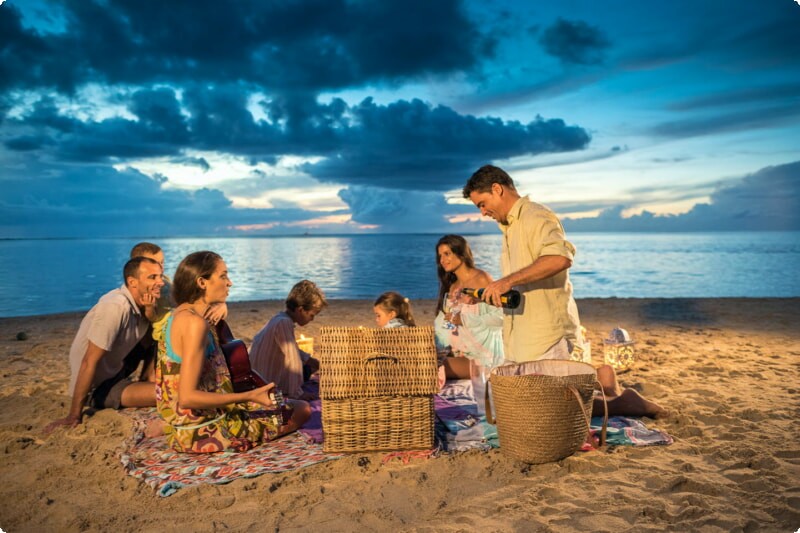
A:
[535,261]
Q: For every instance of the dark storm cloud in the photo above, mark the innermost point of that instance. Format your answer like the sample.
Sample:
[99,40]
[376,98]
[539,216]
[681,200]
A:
[45,114]
[574,42]
[101,201]
[21,51]
[159,111]
[185,73]
[404,145]
[323,44]
[220,121]
[296,124]
[159,129]
[764,200]
[411,145]
[25,143]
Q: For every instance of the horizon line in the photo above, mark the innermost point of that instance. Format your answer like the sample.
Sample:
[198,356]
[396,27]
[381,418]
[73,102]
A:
[316,235]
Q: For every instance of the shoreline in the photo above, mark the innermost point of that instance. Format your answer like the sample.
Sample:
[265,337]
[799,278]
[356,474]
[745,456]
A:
[727,368]
[430,301]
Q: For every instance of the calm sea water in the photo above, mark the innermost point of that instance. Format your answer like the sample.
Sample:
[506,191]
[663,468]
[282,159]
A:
[51,276]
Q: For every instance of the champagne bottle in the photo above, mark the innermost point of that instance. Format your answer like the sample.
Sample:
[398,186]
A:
[509,300]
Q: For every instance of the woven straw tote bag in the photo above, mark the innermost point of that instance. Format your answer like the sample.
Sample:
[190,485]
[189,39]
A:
[543,408]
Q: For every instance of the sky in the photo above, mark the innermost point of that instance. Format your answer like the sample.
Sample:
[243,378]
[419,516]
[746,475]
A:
[121,118]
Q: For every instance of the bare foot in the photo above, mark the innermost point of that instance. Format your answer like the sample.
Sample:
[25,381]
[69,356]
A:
[608,379]
[287,428]
[300,413]
[154,428]
[630,403]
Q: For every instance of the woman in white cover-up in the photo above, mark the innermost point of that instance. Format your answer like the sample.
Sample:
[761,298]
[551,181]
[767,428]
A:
[465,327]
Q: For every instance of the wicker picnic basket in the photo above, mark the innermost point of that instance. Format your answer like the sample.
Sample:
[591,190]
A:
[377,388]
[543,408]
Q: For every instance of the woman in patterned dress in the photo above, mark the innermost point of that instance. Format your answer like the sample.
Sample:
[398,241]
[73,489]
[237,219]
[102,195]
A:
[193,386]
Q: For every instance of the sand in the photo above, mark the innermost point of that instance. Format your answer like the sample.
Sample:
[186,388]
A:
[726,368]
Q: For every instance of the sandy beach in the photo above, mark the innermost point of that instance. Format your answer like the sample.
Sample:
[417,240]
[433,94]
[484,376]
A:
[726,368]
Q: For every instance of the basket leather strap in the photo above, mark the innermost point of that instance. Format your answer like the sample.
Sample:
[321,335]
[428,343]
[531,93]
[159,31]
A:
[486,398]
[605,416]
[588,416]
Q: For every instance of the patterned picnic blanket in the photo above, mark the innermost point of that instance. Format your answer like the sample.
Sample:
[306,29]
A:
[459,427]
[624,431]
[167,471]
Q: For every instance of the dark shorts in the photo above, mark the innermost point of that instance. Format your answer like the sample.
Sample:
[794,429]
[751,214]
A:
[108,395]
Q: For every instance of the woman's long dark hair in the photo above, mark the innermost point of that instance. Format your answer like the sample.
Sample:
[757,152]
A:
[194,266]
[458,245]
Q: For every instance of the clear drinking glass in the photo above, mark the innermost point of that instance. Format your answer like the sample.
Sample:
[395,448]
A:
[451,306]
[478,375]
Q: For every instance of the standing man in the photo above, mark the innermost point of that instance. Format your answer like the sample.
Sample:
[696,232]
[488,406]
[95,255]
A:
[109,346]
[535,260]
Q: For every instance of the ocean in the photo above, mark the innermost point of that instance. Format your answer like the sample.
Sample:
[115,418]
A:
[53,276]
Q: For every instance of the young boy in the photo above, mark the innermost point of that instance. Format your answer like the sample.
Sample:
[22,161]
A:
[275,353]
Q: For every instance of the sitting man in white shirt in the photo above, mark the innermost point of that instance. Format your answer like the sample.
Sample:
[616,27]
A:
[111,344]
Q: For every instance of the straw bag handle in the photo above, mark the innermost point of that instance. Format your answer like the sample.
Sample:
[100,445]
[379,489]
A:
[588,417]
[605,416]
[381,356]
[489,418]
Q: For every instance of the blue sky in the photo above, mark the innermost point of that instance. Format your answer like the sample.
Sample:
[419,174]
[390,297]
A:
[124,119]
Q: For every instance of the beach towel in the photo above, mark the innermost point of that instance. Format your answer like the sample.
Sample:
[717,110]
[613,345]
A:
[312,429]
[625,431]
[459,427]
[167,471]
